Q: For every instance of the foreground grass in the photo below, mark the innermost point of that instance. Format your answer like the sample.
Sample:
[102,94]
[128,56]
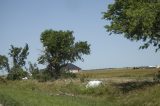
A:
[32,93]
[73,92]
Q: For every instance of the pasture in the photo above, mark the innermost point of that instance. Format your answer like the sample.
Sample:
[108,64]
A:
[121,87]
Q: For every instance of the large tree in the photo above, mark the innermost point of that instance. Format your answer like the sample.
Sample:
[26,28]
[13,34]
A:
[135,20]
[60,49]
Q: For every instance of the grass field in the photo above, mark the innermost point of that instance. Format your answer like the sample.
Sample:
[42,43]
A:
[120,73]
[72,92]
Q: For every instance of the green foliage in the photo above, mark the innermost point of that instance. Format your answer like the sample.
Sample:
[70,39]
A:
[74,93]
[43,75]
[4,63]
[27,97]
[19,55]
[16,73]
[34,70]
[136,20]
[59,49]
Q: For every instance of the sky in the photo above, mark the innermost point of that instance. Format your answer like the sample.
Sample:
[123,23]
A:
[22,21]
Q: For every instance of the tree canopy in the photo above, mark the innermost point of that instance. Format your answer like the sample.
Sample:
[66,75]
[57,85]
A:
[4,63]
[135,20]
[60,49]
[19,55]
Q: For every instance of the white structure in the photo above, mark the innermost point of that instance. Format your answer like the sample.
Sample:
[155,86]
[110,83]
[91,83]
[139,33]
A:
[25,78]
[152,66]
[158,66]
[72,68]
[73,71]
[93,84]
[30,74]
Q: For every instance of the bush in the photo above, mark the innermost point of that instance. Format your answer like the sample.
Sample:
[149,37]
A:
[17,73]
[34,70]
[43,76]
[35,74]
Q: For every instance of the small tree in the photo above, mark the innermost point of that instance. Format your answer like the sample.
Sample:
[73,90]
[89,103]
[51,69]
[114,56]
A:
[4,63]
[60,49]
[17,73]
[19,55]
[34,70]
[135,20]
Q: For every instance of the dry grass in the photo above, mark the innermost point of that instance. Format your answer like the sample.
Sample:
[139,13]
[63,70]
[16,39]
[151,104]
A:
[118,73]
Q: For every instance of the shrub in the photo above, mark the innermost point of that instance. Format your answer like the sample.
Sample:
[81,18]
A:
[43,76]
[34,70]
[17,73]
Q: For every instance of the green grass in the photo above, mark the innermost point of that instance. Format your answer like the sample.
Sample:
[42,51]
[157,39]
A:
[73,92]
[21,93]
[144,97]
[18,94]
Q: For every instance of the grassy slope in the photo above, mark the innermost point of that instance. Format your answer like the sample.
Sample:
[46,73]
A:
[144,97]
[28,93]
[33,93]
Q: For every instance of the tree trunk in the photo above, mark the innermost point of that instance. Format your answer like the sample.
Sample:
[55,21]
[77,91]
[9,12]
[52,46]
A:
[8,68]
[57,71]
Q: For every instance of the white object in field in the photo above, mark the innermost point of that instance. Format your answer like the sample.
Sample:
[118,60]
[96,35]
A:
[30,74]
[93,84]
[158,66]
[25,78]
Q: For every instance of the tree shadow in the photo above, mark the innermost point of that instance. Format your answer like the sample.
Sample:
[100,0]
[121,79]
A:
[134,85]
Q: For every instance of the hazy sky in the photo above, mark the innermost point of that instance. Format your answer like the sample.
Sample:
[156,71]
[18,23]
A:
[22,21]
